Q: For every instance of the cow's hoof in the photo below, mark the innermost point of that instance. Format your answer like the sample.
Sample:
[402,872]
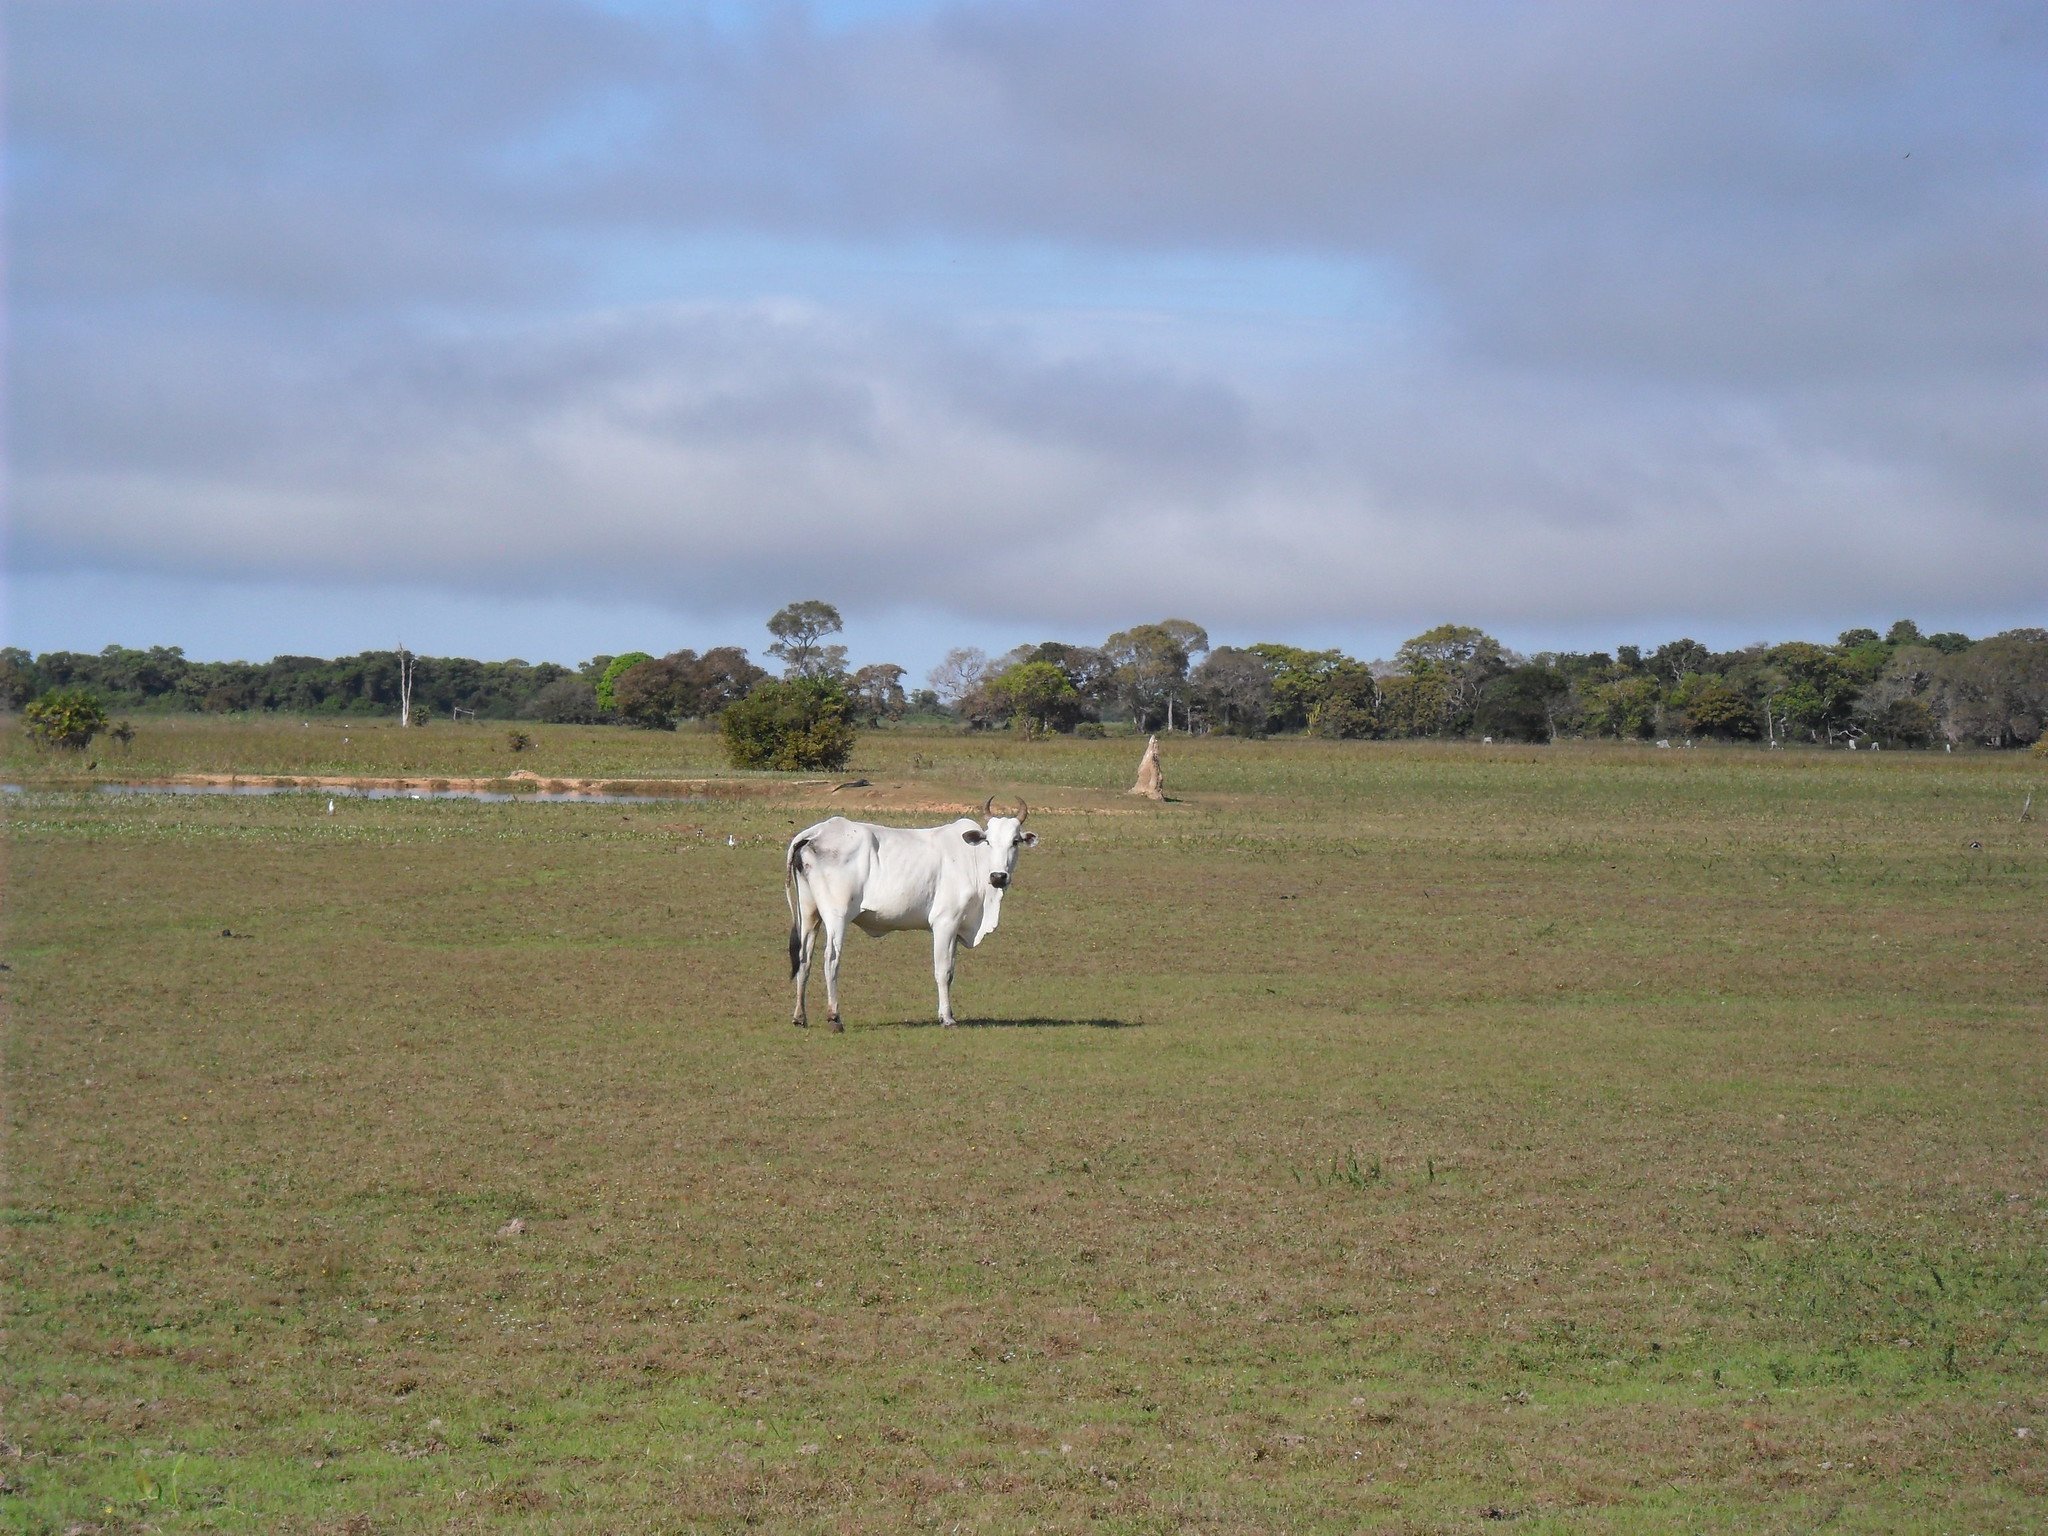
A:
[837,1027]
[949,1023]
[801,1023]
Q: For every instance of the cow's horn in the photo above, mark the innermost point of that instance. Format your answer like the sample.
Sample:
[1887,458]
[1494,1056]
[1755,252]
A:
[988,808]
[1023,811]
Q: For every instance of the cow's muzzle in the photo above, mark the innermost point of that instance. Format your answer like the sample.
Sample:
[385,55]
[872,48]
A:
[999,880]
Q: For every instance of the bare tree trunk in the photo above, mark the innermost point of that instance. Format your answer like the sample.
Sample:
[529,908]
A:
[406,661]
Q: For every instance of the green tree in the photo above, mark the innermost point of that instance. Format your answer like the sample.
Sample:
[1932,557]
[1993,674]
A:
[1410,704]
[1903,632]
[607,683]
[1997,690]
[65,717]
[568,700]
[1818,692]
[1910,677]
[683,686]
[795,724]
[1039,696]
[1350,701]
[1862,654]
[1716,709]
[877,692]
[1463,660]
[1235,690]
[1149,669]
[1299,680]
[1676,660]
[800,630]
[1629,707]
[1904,722]
[19,681]
[653,694]
[1522,703]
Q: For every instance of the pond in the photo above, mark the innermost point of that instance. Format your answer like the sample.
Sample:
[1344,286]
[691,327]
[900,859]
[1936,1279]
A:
[489,796]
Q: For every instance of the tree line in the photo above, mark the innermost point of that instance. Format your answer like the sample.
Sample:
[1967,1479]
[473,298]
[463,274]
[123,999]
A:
[1901,688]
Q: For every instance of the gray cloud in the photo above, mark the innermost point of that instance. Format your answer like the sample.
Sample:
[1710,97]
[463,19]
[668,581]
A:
[1732,310]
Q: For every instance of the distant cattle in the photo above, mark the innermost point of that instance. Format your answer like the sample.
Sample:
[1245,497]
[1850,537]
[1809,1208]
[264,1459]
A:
[946,880]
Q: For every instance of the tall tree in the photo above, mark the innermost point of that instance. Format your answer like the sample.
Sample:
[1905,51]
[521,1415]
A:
[1997,691]
[1676,660]
[1816,692]
[954,678]
[876,693]
[1300,679]
[406,663]
[800,630]
[1461,659]
[1235,690]
[1522,704]
[1150,666]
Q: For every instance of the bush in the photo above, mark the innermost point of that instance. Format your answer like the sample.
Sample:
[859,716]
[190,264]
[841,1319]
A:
[65,717]
[799,724]
[518,741]
[565,701]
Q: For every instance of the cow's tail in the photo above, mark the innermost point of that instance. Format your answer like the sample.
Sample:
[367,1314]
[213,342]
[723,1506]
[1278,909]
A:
[793,872]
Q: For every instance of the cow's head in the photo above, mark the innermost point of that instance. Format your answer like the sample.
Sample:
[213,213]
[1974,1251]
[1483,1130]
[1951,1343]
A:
[1002,838]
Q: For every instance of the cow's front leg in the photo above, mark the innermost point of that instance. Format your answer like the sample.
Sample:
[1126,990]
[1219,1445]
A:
[945,947]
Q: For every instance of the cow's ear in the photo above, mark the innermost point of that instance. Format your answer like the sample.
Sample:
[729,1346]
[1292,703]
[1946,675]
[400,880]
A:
[973,835]
[1029,839]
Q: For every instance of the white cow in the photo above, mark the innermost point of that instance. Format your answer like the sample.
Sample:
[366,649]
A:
[949,880]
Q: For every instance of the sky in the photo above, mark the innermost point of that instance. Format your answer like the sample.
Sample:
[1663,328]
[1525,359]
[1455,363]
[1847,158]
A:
[550,329]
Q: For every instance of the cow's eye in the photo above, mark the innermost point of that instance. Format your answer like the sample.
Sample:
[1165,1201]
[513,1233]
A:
[972,836]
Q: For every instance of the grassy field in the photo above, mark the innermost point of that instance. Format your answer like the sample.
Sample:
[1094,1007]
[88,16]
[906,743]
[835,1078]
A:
[1379,1137]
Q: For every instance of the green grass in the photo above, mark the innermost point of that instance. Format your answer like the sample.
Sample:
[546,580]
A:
[1380,1137]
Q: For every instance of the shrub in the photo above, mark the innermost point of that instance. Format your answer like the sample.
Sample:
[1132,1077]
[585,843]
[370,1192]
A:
[565,701]
[798,724]
[65,717]
[518,741]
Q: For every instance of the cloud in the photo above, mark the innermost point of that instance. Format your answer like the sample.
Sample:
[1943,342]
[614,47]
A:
[1733,311]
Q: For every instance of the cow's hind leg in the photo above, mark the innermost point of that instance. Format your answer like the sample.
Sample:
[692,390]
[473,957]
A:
[802,949]
[834,924]
[803,944]
[945,949]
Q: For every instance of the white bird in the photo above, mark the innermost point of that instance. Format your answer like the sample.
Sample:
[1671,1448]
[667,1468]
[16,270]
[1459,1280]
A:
[330,807]
[731,841]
